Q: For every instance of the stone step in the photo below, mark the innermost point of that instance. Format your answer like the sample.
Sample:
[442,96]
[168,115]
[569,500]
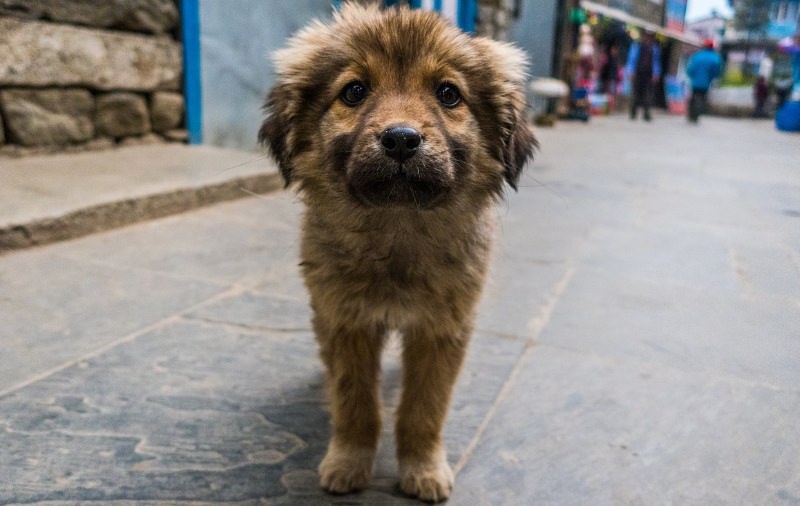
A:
[50,198]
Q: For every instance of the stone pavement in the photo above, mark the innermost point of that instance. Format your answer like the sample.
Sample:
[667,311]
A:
[639,342]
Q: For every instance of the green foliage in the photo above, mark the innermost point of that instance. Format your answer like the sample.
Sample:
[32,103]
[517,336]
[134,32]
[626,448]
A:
[735,77]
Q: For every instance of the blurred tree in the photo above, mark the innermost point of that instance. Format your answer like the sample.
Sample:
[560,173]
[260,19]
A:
[752,17]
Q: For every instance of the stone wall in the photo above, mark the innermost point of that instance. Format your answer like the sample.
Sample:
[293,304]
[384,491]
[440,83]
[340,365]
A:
[86,74]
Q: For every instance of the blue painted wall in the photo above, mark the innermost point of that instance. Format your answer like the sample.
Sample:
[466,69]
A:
[236,39]
[534,32]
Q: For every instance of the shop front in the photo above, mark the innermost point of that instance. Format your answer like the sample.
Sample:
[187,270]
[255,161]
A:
[597,44]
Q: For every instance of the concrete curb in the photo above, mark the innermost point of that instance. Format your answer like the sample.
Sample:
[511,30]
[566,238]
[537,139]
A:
[125,212]
[45,199]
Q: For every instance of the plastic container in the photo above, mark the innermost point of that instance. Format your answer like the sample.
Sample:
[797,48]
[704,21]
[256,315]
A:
[598,103]
[787,119]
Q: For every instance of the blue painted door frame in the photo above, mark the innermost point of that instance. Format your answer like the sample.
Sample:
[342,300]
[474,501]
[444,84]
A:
[192,79]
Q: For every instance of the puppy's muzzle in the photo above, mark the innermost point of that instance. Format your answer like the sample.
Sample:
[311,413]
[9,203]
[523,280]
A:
[401,173]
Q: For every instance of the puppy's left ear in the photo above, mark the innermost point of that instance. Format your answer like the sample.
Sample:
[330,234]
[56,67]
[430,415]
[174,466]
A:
[507,66]
[519,147]
[275,131]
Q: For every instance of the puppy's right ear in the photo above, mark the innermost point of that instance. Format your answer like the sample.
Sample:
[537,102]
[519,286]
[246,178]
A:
[275,132]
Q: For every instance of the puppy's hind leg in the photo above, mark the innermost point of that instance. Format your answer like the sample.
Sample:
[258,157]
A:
[352,357]
[431,364]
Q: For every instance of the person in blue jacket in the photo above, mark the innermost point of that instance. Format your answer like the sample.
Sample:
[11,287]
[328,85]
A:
[704,66]
[644,68]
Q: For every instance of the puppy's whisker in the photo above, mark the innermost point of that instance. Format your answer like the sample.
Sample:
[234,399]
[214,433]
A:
[254,194]
[540,184]
[252,160]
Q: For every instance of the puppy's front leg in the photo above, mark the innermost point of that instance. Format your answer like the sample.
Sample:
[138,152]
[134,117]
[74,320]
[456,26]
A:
[352,357]
[431,363]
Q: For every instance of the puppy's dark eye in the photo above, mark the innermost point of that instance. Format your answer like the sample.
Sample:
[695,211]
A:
[353,93]
[448,95]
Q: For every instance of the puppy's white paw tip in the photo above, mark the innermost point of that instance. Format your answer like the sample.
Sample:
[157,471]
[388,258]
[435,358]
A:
[428,483]
[342,472]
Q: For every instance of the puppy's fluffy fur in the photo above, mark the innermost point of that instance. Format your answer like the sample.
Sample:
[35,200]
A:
[399,132]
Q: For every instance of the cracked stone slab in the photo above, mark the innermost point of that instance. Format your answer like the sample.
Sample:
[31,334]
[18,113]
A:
[198,411]
[165,417]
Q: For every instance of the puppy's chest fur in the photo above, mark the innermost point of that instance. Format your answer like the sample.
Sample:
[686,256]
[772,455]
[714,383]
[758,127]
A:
[396,267]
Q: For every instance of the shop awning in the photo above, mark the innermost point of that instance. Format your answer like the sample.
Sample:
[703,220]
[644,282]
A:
[623,16]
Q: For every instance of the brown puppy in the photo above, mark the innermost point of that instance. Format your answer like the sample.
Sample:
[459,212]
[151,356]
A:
[399,131]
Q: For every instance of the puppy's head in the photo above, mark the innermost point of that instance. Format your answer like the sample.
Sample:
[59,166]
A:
[397,108]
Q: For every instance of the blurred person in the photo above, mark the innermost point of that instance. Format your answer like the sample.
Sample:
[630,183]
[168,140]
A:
[765,67]
[644,68]
[586,56]
[609,70]
[783,88]
[704,66]
[760,96]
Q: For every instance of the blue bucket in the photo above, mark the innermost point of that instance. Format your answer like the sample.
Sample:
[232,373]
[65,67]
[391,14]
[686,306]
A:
[787,119]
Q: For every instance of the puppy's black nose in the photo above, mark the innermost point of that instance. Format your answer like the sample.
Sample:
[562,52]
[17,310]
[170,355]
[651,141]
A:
[400,142]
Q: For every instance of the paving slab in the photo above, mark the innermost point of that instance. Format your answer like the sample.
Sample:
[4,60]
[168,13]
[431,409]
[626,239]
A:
[56,309]
[678,325]
[587,429]
[230,246]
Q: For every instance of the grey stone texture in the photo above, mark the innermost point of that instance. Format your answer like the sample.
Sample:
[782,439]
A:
[151,16]
[48,54]
[166,111]
[637,342]
[120,114]
[67,47]
[176,135]
[142,140]
[51,116]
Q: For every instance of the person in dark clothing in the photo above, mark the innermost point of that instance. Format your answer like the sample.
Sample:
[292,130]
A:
[760,96]
[704,66]
[609,71]
[644,69]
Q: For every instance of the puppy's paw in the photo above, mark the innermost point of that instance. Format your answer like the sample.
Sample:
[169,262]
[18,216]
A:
[429,481]
[343,471]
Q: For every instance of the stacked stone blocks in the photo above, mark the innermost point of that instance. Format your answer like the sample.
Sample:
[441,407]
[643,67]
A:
[89,74]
